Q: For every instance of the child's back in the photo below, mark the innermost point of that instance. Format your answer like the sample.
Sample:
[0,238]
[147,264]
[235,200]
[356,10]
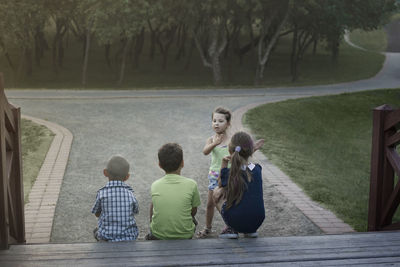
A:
[116,205]
[173,198]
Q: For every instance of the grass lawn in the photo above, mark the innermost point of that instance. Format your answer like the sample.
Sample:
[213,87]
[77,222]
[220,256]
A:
[324,145]
[373,40]
[36,140]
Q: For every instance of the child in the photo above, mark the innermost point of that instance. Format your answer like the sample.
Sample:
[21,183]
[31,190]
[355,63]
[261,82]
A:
[174,198]
[116,205]
[239,198]
[217,146]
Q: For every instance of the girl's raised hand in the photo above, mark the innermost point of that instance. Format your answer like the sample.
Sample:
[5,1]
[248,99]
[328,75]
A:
[218,138]
[225,161]
[258,144]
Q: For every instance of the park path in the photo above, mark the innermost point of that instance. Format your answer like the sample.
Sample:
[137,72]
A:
[136,123]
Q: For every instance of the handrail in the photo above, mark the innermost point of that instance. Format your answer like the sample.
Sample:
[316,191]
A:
[12,219]
[384,197]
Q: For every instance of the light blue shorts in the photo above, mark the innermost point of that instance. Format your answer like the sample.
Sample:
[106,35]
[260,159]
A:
[212,180]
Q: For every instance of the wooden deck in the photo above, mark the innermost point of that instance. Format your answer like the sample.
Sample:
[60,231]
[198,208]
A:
[374,248]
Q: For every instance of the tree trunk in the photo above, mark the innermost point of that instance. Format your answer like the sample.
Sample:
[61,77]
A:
[107,50]
[86,59]
[182,43]
[189,56]
[263,57]
[165,44]
[153,39]
[293,56]
[138,48]
[123,62]
[54,53]
[216,68]
[7,55]
[28,61]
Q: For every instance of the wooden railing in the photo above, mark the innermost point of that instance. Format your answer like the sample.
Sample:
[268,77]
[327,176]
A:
[12,221]
[384,195]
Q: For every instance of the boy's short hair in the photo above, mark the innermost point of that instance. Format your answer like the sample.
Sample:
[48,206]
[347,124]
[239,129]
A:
[117,167]
[170,157]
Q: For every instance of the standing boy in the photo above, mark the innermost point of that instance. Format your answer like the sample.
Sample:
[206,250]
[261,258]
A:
[116,205]
[174,198]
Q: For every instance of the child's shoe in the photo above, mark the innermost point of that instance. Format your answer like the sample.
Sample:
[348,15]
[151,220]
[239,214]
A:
[229,233]
[251,235]
[206,232]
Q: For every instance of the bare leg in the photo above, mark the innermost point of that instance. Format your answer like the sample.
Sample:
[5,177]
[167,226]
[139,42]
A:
[210,209]
[219,198]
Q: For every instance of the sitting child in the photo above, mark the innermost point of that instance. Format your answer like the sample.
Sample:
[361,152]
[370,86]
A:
[239,198]
[116,205]
[174,198]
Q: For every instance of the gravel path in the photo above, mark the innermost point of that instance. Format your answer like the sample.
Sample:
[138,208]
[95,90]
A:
[136,123]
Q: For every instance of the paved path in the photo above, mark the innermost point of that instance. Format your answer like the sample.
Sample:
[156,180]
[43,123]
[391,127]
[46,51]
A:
[136,123]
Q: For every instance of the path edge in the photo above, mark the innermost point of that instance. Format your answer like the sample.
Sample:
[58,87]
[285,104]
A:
[43,197]
[323,218]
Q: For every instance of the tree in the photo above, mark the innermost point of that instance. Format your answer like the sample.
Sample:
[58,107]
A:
[272,16]
[61,13]
[164,19]
[118,21]
[19,24]
[208,21]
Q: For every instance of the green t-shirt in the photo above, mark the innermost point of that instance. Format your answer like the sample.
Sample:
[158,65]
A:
[173,198]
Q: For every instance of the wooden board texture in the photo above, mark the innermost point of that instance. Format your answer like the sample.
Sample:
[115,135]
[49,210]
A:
[364,249]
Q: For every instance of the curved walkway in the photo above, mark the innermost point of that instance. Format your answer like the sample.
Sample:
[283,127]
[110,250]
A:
[39,212]
[137,123]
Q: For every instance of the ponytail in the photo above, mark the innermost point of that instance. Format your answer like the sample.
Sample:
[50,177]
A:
[241,148]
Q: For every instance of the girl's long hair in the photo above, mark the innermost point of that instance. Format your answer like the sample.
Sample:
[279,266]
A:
[241,148]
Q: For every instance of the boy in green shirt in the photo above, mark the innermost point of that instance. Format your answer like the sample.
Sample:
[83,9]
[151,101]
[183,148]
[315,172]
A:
[174,198]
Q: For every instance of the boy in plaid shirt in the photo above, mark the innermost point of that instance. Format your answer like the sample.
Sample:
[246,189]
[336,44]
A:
[116,205]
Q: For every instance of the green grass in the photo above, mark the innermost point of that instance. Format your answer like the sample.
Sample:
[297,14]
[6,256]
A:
[36,140]
[373,40]
[352,64]
[324,145]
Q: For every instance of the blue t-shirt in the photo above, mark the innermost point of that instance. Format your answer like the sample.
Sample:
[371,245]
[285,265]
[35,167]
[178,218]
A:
[249,214]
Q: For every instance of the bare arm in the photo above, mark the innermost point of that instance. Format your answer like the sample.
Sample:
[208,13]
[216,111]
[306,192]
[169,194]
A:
[224,164]
[194,211]
[151,211]
[212,142]
[258,144]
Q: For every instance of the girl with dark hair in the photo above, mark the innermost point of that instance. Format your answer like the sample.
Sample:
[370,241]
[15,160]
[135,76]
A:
[239,197]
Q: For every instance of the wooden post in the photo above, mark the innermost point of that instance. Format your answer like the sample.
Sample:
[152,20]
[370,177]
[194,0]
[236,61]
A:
[377,167]
[4,223]
[16,172]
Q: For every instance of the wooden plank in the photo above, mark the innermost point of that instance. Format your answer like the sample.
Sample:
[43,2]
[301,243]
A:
[377,162]
[394,159]
[392,261]
[18,183]
[4,227]
[341,248]
[196,253]
[392,119]
[393,140]
[324,241]
[9,141]
[201,259]
[9,119]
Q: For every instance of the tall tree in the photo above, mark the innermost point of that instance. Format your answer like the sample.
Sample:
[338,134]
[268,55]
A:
[272,16]
[61,12]
[209,20]
[18,26]
[118,21]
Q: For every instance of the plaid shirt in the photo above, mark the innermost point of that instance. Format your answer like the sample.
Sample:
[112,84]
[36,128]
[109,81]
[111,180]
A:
[117,205]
